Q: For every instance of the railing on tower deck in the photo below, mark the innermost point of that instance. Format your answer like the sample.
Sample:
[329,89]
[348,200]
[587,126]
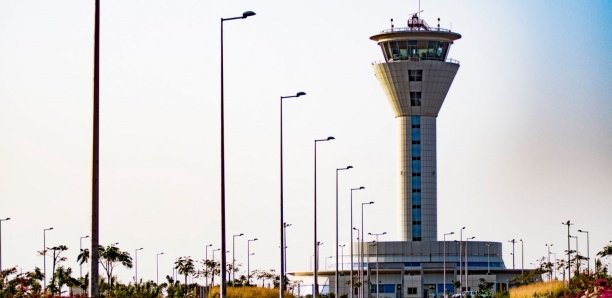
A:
[448,60]
[415,29]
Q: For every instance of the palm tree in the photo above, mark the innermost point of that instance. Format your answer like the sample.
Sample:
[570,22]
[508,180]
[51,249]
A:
[110,256]
[185,266]
[607,251]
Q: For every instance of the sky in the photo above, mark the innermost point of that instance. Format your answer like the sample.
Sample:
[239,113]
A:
[524,136]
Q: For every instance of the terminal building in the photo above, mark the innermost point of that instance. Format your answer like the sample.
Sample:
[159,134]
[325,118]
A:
[416,75]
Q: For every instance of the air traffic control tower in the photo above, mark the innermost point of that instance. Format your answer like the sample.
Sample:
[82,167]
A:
[416,76]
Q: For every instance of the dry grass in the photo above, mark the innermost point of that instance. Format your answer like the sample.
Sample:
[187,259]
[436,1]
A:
[542,289]
[248,292]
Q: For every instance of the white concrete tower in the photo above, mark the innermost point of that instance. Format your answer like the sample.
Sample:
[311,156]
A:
[416,77]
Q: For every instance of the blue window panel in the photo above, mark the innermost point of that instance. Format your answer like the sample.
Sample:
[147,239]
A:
[416,150]
[416,231]
[417,216]
[383,288]
[416,166]
[416,182]
[415,120]
[412,264]
[415,134]
[449,288]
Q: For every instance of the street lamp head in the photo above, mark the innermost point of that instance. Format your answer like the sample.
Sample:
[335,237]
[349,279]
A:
[463,228]
[384,233]
[349,167]
[254,239]
[140,248]
[300,94]
[356,229]
[330,138]
[209,245]
[370,203]
[161,253]
[8,218]
[247,14]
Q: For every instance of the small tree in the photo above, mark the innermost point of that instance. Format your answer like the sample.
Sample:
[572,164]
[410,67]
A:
[185,267]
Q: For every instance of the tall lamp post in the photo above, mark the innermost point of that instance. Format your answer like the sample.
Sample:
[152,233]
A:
[136,265]
[249,259]
[588,249]
[548,246]
[45,256]
[234,256]
[522,256]
[569,251]
[336,275]
[342,258]
[351,244]
[212,279]
[488,258]
[157,267]
[286,225]
[95,169]
[376,244]
[467,286]
[362,255]
[1,220]
[513,242]
[460,263]
[444,260]
[359,261]
[282,219]
[316,265]
[223,290]
[80,250]
[205,263]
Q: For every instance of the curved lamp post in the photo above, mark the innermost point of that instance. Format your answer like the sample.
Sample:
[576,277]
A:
[316,265]
[336,275]
[249,259]
[223,289]
[362,254]
[282,219]
[234,256]
[351,244]
[45,256]
[136,265]
[445,289]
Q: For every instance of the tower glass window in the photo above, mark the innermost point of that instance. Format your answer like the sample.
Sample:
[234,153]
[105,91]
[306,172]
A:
[415,75]
[415,99]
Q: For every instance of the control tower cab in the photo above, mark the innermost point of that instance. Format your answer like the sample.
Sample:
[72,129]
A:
[416,76]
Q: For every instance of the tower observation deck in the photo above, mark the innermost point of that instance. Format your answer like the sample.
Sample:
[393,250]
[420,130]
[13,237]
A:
[416,76]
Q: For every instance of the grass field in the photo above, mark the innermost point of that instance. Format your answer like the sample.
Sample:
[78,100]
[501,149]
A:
[542,289]
[248,292]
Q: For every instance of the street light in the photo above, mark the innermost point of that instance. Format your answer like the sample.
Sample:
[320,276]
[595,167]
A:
[376,244]
[157,267]
[1,220]
[488,258]
[95,168]
[588,250]
[282,219]
[45,256]
[513,242]
[358,258]
[212,279]
[81,250]
[522,257]
[328,258]
[286,225]
[223,287]
[351,248]
[342,257]
[569,251]
[205,263]
[362,255]
[444,258]
[460,250]
[336,275]
[316,265]
[136,264]
[467,286]
[249,259]
[548,246]
[234,256]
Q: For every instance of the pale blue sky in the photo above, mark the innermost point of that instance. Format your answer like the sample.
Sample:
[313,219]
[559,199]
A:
[524,137]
